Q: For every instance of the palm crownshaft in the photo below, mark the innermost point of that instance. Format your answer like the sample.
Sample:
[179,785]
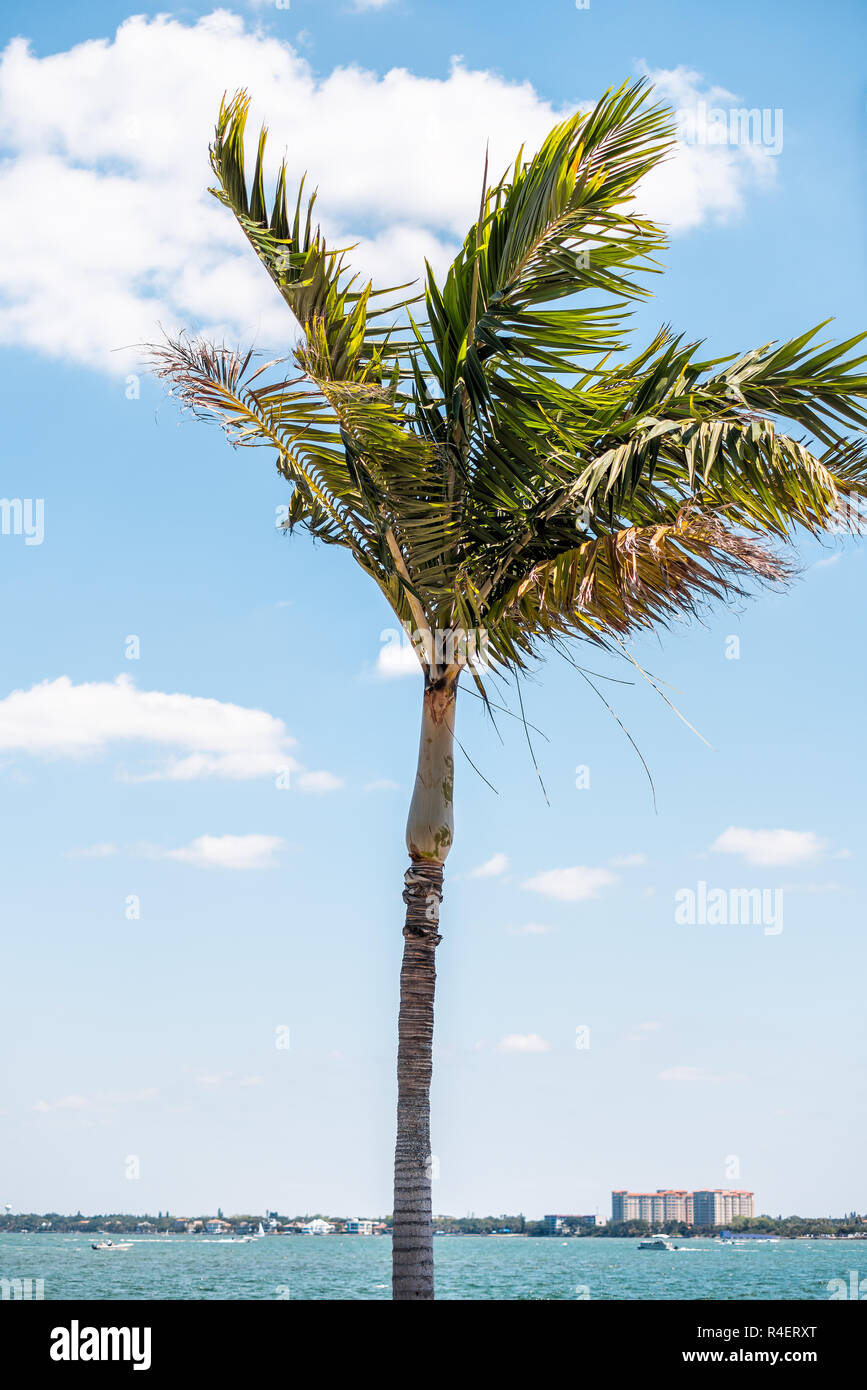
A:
[499,467]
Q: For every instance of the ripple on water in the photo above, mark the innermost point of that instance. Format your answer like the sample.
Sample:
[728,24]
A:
[467,1267]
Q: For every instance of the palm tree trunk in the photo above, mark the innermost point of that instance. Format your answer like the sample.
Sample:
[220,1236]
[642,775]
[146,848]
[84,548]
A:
[429,832]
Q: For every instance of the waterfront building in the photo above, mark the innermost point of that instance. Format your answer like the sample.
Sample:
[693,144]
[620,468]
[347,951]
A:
[317,1227]
[666,1204]
[555,1224]
[717,1206]
[703,1207]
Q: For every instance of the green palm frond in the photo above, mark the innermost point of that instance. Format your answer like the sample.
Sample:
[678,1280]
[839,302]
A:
[551,229]
[487,451]
[336,318]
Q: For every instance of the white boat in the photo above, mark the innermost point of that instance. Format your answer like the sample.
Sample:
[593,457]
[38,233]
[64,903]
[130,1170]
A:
[656,1243]
[110,1245]
[749,1240]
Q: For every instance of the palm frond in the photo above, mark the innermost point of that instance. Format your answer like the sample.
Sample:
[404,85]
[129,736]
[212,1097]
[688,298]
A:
[552,228]
[487,451]
[335,316]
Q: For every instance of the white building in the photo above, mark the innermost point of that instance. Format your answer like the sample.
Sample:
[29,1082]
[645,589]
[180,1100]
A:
[217,1227]
[559,1222]
[317,1227]
[355,1227]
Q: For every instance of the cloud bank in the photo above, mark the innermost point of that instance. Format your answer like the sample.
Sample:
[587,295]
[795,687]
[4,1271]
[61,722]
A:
[227,852]
[572,885]
[200,738]
[769,848]
[109,139]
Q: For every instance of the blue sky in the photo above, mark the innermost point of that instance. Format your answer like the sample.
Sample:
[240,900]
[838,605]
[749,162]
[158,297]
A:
[719,1055]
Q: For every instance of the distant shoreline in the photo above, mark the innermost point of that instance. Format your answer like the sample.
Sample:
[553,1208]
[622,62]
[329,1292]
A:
[205,1239]
[156,1228]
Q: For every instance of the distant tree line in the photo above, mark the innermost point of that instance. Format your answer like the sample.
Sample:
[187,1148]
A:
[759,1225]
[124,1222]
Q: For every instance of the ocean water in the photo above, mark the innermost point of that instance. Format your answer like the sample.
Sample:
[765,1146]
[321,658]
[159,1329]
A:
[467,1267]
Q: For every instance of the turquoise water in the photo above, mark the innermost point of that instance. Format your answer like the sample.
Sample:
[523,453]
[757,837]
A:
[467,1267]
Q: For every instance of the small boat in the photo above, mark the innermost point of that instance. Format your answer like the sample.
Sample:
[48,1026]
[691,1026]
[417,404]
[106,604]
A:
[656,1243]
[110,1245]
[728,1238]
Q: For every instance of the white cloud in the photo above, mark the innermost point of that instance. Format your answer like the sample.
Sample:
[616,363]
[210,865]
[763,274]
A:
[103,851]
[65,1103]
[628,861]
[396,659]
[238,767]
[118,129]
[228,852]
[570,885]
[641,1031]
[769,847]
[704,179]
[523,1042]
[497,864]
[683,1074]
[318,782]
[60,719]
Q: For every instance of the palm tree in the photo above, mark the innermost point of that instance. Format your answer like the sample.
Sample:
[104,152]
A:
[508,476]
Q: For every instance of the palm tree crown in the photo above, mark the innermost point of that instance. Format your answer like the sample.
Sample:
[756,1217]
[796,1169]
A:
[490,456]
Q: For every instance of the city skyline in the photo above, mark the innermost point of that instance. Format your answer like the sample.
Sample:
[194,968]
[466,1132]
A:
[700,1207]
